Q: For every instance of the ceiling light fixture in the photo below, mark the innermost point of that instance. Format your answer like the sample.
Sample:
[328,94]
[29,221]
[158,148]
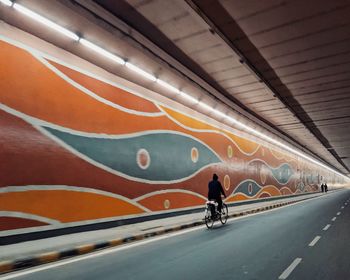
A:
[205,106]
[102,51]
[188,97]
[140,71]
[6,2]
[168,86]
[45,21]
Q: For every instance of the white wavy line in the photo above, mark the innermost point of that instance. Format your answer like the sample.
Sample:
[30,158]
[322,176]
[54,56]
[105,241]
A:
[73,67]
[37,123]
[274,168]
[267,194]
[25,188]
[233,194]
[169,191]
[115,172]
[157,103]
[283,157]
[137,134]
[40,55]
[16,214]
[208,130]
[270,186]
[92,94]
[287,189]
[258,159]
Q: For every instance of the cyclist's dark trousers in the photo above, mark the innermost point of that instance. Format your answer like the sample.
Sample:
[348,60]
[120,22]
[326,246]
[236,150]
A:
[219,201]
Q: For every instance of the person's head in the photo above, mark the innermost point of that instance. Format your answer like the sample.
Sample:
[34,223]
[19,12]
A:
[215,177]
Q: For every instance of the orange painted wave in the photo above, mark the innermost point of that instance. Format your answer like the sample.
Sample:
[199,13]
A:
[39,92]
[109,92]
[237,197]
[66,206]
[42,161]
[247,146]
[271,190]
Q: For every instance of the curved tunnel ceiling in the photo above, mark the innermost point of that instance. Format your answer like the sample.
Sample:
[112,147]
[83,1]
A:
[294,64]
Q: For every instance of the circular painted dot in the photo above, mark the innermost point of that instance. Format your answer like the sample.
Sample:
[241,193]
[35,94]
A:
[194,154]
[250,188]
[143,159]
[166,204]
[229,151]
[227,182]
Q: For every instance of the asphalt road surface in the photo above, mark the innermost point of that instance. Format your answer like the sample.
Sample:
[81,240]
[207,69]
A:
[302,241]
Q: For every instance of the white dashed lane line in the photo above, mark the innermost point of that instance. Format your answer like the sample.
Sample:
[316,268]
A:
[313,242]
[326,227]
[289,269]
[338,213]
[334,218]
[342,207]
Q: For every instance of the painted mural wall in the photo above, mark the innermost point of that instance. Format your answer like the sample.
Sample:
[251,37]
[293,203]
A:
[77,149]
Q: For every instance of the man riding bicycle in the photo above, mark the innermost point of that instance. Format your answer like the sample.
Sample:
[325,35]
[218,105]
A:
[215,191]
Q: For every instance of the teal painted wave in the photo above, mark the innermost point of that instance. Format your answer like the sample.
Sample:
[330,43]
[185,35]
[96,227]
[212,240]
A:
[249,188]
[168,158]
[282,173]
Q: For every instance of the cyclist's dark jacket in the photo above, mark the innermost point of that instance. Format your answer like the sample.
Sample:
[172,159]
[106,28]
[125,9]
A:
[215,190]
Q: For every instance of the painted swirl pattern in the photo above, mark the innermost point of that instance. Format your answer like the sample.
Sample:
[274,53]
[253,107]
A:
[80,148]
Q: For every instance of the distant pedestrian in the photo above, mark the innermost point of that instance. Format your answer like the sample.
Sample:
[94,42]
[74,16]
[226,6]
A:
[322,187]
[325,187]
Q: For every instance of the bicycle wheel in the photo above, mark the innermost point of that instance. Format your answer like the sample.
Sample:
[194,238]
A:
[209,222]
[224,214]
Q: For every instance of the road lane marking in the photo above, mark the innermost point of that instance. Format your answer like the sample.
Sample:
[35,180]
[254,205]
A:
[313,242]
[338,213]
[138,243]
[94,254]
[289,269]
[342,207]
[334,218]
[326,227]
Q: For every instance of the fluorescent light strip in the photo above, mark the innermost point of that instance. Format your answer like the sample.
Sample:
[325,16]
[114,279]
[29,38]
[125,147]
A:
[45,21]
[205,106]
[140,71]
[188,97]
[101,51]
[6,2]
[220,114]
[168,86]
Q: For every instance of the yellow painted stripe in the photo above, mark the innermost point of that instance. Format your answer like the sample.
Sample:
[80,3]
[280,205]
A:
[48,257]
[6,266]
[85,248]
[116,242]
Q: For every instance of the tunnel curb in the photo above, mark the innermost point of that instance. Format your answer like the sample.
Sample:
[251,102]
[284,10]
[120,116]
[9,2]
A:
[23,263]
